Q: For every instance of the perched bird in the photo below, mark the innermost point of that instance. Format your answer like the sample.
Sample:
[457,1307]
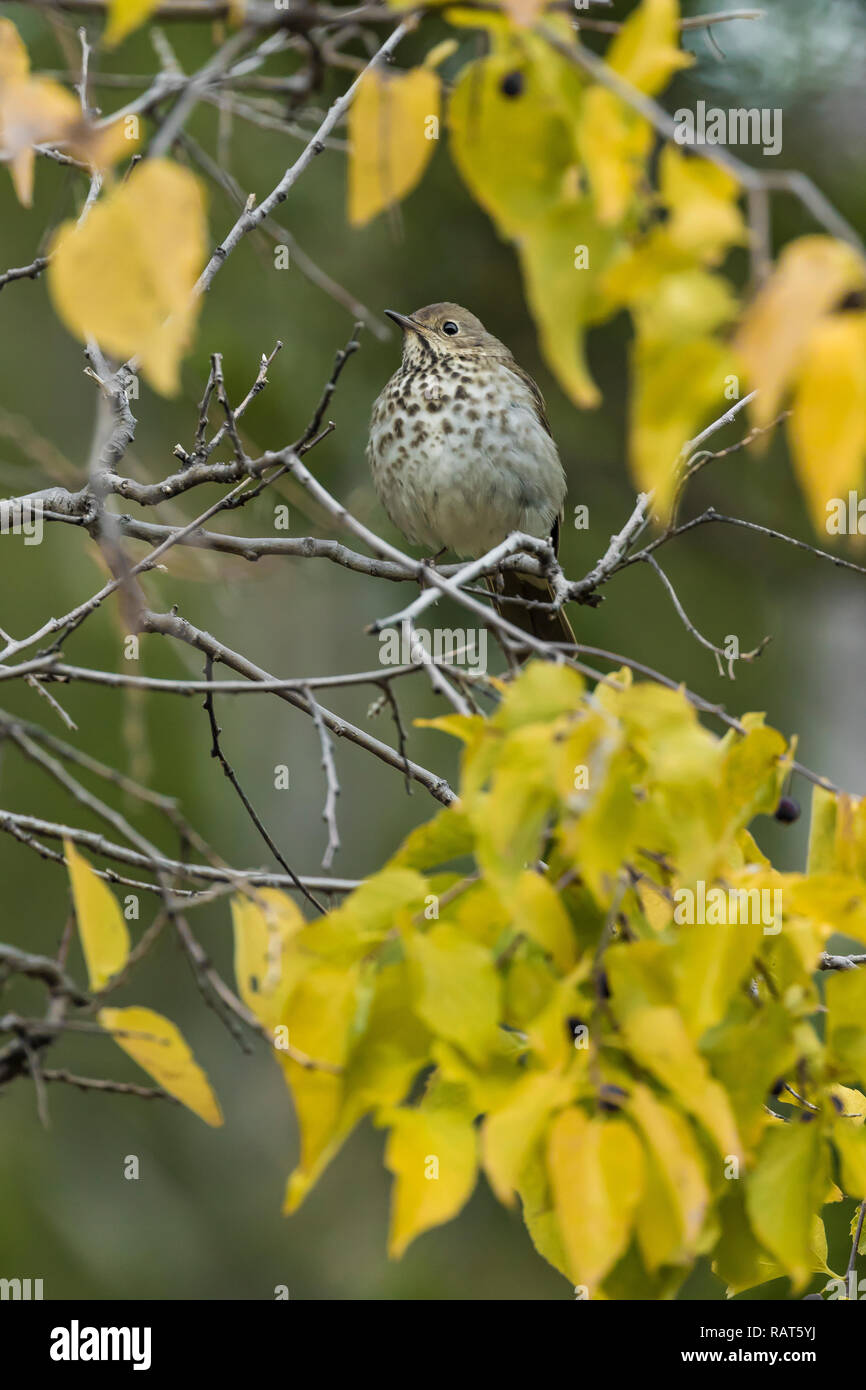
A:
[461,453]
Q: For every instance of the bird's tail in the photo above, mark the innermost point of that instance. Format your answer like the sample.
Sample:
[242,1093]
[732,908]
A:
[545,624]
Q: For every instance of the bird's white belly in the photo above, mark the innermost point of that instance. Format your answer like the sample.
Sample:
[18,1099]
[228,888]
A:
[467,474]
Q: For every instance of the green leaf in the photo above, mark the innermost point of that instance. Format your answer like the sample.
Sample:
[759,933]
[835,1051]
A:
[784,1193]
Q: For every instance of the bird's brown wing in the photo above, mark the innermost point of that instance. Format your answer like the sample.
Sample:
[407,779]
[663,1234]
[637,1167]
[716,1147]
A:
[537,398]
[543,624]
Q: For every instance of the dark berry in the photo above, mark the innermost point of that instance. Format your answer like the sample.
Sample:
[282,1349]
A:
[788,810]
[511,84]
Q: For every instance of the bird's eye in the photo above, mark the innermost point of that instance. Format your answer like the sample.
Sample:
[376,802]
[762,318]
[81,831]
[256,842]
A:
[450,327]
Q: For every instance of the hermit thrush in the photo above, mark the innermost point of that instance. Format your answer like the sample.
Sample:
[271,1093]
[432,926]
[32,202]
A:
[461,453]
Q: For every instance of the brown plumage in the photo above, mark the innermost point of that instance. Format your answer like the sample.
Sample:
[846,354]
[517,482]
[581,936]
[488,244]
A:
[462,454]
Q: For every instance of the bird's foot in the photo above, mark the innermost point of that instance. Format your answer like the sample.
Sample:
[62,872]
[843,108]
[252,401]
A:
[429,561]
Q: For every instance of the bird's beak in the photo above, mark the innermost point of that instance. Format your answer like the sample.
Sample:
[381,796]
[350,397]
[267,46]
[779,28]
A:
[404,321]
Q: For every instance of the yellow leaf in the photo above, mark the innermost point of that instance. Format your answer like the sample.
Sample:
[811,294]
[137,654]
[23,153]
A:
[319,1016]
[103,932]
[828,416]
[14,58]
[165,1056]
[704,218]
[32,113]
[489,1084]
[390,140]
[33,110]
[822,832]
[813,275]
[846,1037]
[709,964]
[431,1151]
[597,1175]
[837,834]
[784,1191]
[852,1103]
[509,821]
[393,1048]
[367,916]
[539,913]
[671,1216]
[510,1134]
[750,1055]
[677,386]
[456,988]
[603,838]
[849,1137]
[562,255]
[264,928]
[469,728]
[754,772]
[658,1040]
[447,836]
[645,51]
[539,1216]
[126,15]
[739,1259]
[614,143]
[126,275]
[511,152]
[832,902]
[541,693]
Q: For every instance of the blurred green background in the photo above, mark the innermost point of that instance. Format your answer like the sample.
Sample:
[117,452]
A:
[204,1219]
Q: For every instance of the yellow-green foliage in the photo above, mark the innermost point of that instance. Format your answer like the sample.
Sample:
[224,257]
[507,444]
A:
[517,993]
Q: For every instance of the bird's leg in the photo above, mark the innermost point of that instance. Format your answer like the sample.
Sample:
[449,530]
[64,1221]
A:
[429,562]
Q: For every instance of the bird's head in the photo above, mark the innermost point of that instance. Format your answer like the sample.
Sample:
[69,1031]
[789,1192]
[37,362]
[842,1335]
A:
[443,331]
